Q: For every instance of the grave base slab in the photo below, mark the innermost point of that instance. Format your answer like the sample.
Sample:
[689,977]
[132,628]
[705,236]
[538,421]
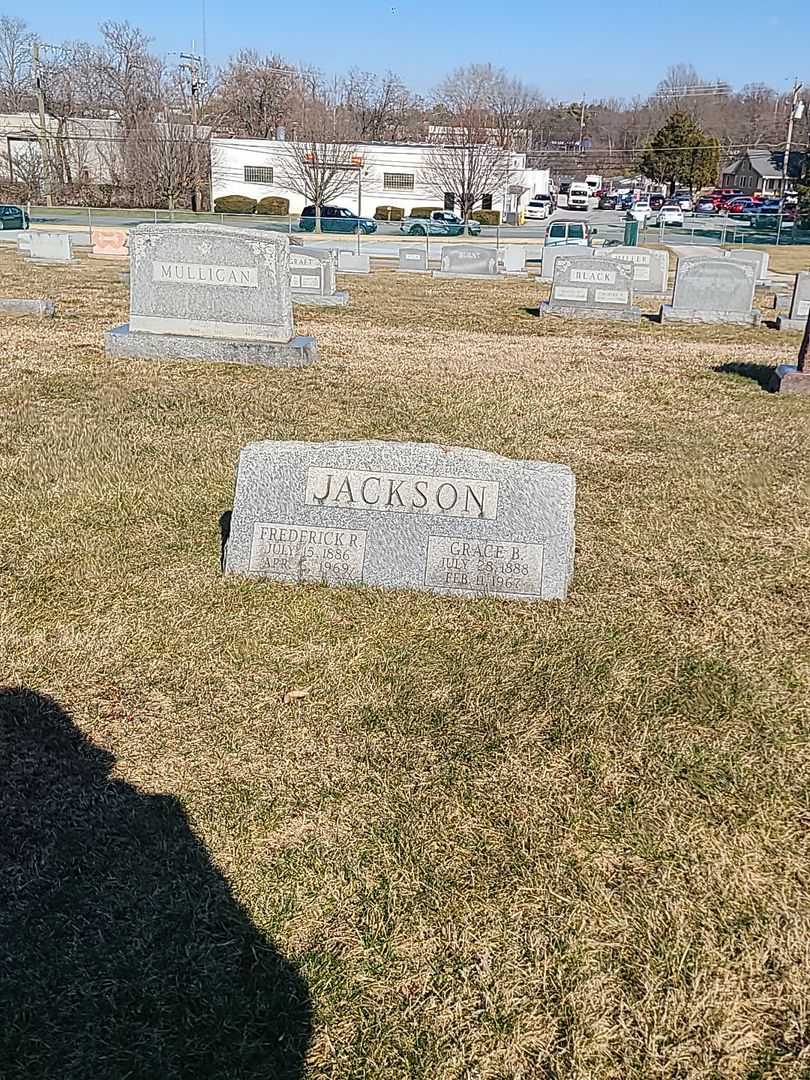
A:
[592,314]
[785,323]
[468,277]
[788,380]
[129,344]
[335,299]
[671,314]
[44,308]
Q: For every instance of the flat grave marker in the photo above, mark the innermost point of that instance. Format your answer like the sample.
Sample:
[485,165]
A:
[210,292]
[403,516]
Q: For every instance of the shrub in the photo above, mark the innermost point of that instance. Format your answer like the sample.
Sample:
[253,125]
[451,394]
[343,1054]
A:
[389,213]
[273,205]
[486,217]
[423,211]
[234,204]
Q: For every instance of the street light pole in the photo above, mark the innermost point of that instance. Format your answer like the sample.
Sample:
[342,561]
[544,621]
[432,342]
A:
[796,113]
[43,137]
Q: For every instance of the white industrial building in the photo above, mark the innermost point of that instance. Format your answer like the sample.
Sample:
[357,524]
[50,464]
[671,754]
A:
[390,174]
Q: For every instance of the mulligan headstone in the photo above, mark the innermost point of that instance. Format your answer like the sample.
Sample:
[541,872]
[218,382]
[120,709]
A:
[713,290]
[351,263]
[403,516]
[592,288]
[210,292]
[650,268]
[52,247]
[412,260]
[799,304]
[312,278]
[468,261]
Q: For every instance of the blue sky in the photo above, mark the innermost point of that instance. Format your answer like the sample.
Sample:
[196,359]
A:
[604,49]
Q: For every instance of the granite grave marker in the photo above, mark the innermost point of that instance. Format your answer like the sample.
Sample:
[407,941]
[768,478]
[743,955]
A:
[514,259]
[210,292]
[650,268]
[713,290]
[349,262]
[412,260]
[110,243]
[312,278]
[799,304]
[53,247]
[592,288]
[561,251]
[403,515]
[468,260]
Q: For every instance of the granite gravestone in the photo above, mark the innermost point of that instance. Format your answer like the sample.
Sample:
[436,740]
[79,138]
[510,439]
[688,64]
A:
[53,247]
[210,292]
[468,260]
[351,263]
[403,515]
[44,308]
[799,304]
[412,261]
[109,243]
[514,259]
[757,259]
[713,290]
[650,268]
[592,288]
[561,251]
[312,278]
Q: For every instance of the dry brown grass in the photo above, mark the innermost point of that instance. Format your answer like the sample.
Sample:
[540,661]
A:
[497,841]
[787,258]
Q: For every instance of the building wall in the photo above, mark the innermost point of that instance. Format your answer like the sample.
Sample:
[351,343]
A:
[393,174]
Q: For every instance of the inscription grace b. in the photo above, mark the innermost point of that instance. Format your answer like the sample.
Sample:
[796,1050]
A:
[356,489]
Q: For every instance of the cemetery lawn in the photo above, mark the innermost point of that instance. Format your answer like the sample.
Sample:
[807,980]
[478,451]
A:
[498,841]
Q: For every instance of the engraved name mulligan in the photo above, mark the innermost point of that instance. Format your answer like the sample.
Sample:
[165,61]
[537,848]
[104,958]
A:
[355,489]
[243,277]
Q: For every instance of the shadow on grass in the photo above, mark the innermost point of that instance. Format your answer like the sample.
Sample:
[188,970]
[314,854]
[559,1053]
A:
[122,951]
[224,535]
[759,373]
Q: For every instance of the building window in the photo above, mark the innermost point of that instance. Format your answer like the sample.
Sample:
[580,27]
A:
[449,200]
[397,181]
[258,174]
[486,202]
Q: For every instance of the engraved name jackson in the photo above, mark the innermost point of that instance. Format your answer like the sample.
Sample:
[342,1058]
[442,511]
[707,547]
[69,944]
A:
[356,489]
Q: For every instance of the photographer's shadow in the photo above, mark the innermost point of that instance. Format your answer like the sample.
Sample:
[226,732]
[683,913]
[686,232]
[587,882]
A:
[123,953]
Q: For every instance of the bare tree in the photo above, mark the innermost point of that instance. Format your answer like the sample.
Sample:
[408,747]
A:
[253,95]
[376,107]
[15,64]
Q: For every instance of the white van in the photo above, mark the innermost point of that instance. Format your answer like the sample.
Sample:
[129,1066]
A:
[578,196]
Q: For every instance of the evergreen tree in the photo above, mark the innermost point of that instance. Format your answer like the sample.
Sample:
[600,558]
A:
[681,153]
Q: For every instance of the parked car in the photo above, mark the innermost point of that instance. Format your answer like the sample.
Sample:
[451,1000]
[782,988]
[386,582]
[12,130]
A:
[579,196]
[336,219]
[608,202]
[539,207]
[626,201]
[640,211]
[766,214]
[725,200]
[737,207]
[682,199]
[440,223]
[13,217]
[706,205]
[656,201]
[570,232]
[670,214]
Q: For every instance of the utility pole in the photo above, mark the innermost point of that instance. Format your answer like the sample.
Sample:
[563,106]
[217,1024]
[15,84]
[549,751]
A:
[193,66]
[581,123]
[43,135]
[796,113]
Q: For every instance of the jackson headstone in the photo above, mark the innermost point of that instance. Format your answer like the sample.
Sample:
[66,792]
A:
[403,515]
[592,288]
[210,292]
[713,290]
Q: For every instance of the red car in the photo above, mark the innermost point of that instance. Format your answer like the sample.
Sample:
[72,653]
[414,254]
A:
[740,205]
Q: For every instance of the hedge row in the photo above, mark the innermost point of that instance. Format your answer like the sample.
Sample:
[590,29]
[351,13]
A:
[389,213]
[243,204]
[486,217]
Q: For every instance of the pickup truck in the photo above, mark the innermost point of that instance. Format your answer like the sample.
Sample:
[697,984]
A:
[440,223]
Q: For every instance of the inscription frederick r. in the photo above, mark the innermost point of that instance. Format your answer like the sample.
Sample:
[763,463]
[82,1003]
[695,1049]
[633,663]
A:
[287,550]
[484,566]
[243,277]
[355,489]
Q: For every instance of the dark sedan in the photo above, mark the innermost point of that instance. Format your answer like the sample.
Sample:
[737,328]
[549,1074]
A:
[608,202]
[706,206]
[335,219]
[13,217]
